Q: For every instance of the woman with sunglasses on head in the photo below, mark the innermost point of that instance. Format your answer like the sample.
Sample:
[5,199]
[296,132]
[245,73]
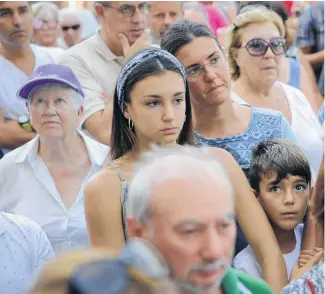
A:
[256,48]
[220,123]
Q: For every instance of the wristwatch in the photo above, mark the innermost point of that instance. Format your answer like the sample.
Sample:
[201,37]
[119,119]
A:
[23,120]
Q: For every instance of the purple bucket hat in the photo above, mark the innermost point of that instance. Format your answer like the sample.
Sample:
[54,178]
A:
[50,73]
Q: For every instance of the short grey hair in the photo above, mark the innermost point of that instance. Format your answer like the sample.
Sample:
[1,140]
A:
[196,6]
[45,11]
[66,12]
[78,100]
[164,163]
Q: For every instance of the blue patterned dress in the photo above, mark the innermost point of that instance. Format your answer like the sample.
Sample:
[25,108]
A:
[300,286]
[264,124]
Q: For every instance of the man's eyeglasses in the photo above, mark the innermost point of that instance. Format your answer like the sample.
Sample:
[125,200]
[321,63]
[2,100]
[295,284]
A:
[129,10]
[195,70]
[39,24]
[258,47]
[74,27]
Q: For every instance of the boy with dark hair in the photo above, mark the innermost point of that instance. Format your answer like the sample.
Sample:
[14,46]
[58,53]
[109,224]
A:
[280,177]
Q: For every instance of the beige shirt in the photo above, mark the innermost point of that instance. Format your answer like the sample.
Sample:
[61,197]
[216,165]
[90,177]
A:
[97,70]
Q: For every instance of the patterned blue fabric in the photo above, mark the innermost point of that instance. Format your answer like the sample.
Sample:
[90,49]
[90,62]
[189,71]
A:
[310,31]
[264,124]
[300,286]
[138,59]
[294,80]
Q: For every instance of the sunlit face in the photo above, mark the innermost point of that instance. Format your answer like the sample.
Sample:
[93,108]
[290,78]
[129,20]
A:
[71,30]
[115,22]
[211,85]
[164,14]
[53,113]
[285,203]
[46,32]
[15,23]
[157,111]
[195,230]
[264,69]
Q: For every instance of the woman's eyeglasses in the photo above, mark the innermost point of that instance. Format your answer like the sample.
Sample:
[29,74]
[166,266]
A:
[74,27]
[258,47]
[129,10]
[39,24]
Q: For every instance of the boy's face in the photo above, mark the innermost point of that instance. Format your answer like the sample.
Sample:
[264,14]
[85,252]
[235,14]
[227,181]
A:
[285,203]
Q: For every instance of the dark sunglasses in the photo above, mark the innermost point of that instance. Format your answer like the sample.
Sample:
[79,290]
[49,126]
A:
[129,10]
[74,27]
[258,47]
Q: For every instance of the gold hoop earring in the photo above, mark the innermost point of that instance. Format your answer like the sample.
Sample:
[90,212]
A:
[130,124]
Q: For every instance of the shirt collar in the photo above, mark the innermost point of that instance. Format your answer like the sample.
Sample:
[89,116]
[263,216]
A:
[2,224]
[30,151]
[95,155]
[104,51]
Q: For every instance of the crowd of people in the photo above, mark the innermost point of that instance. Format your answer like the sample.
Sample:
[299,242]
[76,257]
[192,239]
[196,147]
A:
[162,147]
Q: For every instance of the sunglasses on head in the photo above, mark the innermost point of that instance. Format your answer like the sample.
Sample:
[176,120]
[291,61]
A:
[39,24]
[74,27]
[258,47]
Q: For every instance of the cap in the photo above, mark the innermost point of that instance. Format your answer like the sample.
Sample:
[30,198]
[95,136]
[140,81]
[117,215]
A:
[50,73]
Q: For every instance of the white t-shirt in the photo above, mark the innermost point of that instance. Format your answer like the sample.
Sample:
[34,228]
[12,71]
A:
[304,124]
[24,250]
[246,260]
[12,78]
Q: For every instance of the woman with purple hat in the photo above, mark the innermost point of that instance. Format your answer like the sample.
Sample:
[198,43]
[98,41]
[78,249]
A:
[44,179]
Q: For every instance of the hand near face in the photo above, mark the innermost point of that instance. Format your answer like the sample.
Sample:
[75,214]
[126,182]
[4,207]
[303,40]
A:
[297,271]
[306,255]
[141,43]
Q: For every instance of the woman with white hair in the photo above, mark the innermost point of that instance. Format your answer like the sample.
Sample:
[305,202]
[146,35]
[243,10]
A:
[44,179]
[45,24]
[71,26]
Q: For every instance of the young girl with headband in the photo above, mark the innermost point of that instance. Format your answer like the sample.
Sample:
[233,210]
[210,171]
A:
[152,106]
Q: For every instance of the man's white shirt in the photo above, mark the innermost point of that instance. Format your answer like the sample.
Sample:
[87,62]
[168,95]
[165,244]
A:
[24,250]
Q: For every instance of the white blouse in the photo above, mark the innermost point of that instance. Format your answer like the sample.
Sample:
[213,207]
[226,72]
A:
[304,124]
[27,188]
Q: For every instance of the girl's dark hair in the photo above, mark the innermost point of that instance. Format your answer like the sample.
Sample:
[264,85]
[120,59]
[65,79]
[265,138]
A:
[123,139]
[279,156]
[182,33]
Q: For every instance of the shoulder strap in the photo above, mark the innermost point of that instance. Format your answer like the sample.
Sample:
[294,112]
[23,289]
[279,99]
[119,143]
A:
[310,285]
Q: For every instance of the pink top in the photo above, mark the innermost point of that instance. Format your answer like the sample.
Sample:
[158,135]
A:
[216,18]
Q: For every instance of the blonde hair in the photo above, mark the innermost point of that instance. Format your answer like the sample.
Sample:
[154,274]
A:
[249,15]
[54,277]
